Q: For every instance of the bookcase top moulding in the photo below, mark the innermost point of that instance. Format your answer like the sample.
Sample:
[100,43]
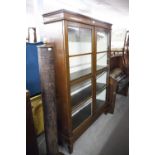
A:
[72,16]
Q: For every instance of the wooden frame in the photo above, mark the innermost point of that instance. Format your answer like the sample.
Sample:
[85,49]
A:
[56,31]
[31,139]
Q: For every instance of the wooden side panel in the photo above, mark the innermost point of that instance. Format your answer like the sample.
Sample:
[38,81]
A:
[116,62]
[54,33]
[31,141]
[112,94]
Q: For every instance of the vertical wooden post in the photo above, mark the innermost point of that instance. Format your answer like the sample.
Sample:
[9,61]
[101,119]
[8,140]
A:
[112,94]
[47,77]
[31,141]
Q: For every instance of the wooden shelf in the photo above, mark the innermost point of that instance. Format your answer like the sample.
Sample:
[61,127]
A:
[81,54]
[81,96]
[101,52]
[100,68]
[79,74]
[85,74]
[82,115]
[100,87]
[85,94]
[103,69]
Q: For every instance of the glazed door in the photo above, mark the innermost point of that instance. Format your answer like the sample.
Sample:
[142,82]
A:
[101,67]
[80,51]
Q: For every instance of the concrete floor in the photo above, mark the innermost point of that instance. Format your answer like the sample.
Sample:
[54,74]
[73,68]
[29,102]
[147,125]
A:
[108,135]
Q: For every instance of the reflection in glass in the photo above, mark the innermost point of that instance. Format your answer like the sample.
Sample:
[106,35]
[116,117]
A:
[102,59]
[82,113]
[101,78]
[80,86]
[102,41]
[101,92]
[79,40]
[81,101]
[79,66]
[100,99]
[81,92]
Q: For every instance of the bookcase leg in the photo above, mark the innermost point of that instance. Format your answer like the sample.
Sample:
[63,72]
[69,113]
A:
[70,148]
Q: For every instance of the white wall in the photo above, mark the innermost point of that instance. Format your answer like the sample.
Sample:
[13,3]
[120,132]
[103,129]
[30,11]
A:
[112,11]
[34,16]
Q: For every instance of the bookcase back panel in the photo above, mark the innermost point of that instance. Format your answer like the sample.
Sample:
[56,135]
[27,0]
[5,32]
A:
[80,66]
[82,114]
[101,59]
[102,41]
[79,40]
[101,91]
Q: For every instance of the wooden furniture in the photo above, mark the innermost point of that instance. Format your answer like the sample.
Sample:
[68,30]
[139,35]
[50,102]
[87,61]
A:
[113,87]
[37,113]
[82,50]
[31,140]
[119,66]
[47,77]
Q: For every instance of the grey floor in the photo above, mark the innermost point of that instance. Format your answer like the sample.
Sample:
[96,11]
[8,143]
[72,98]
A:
[108,135]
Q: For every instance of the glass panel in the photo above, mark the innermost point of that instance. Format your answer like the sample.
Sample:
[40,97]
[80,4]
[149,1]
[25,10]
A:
[81,92]
[80,66]
[81,100]
[80,86]
[79,40]
[101,89]
[101,60]
[102,78]
[100,99]
[102,41]
[82,113]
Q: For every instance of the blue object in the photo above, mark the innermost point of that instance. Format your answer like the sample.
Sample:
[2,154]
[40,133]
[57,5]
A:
[32,69]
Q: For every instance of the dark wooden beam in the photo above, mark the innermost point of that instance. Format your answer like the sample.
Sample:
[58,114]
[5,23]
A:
[47,77]
[31,141]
